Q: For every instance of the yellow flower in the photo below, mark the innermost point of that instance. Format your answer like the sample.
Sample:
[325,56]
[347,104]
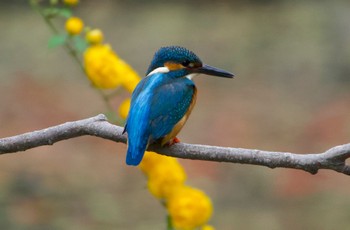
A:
[124,108]
[165,177]
[71,2]
[151,159]
[164,173]
[207,227]
[94,36]
[74,25]
[189,208]
[104,68]
[131,82]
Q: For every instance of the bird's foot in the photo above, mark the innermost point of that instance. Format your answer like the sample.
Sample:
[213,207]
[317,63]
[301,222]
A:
[173,141]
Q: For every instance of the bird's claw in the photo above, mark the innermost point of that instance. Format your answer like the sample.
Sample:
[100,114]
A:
[173,141]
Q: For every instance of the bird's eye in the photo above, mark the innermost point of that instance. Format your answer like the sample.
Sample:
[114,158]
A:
[186,63]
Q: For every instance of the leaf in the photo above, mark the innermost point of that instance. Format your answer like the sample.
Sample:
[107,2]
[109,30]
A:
[57,40]
[64,12]
[79,43]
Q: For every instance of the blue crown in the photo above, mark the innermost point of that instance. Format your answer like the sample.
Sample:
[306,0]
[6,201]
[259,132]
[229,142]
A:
[176,54]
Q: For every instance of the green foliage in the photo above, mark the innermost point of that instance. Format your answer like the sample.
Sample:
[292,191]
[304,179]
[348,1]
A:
[54,12]
[57,40]
[169,223]
[79,43]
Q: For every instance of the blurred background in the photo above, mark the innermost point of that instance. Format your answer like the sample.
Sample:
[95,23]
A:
[291,93]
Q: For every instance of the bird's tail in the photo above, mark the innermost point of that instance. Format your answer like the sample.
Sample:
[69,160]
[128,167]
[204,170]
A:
[136,150]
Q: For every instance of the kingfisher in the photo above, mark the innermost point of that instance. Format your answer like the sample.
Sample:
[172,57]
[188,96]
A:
[162,101]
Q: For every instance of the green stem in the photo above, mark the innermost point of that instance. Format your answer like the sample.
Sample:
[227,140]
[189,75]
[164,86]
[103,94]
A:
[169,223]
[72,51]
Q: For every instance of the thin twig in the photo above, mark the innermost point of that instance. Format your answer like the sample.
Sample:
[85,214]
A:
[332,159]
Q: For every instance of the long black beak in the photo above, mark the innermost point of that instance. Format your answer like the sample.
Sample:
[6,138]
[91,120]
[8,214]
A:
[213,71]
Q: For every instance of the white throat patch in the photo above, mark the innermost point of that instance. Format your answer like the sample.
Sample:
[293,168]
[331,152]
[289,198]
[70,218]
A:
[192,75]
[165,69]
[159,70]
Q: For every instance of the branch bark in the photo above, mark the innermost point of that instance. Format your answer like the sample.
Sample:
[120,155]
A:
[332,159]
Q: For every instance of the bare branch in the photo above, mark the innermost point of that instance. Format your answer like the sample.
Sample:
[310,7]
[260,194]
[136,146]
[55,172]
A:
[332,159]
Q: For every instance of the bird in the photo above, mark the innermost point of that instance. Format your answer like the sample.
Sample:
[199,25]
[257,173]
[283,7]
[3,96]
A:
[163,100]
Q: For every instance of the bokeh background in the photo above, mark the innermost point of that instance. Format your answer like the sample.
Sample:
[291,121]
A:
[291,93]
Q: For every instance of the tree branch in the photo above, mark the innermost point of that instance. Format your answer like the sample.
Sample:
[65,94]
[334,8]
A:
[332,159]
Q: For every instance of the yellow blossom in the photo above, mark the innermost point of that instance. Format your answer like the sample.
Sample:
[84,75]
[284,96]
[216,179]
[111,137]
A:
[94,36]
[124,108]
[74,25]
[207,227]
[131,82]
[151,159]
[189,208]
[71,2]
[165,177]
[104,68]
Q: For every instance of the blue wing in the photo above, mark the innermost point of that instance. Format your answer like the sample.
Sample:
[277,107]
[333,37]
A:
[170,103]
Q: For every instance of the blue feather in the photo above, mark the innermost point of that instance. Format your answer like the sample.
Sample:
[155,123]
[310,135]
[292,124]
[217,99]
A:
[138,133]
[137,125]
[170,103]
[157,104]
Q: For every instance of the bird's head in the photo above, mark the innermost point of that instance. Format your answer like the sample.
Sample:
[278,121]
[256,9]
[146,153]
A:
[173,58]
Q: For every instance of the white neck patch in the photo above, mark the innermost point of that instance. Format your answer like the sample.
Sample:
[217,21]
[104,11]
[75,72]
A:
[159,70]
[165,69]
[192,75]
